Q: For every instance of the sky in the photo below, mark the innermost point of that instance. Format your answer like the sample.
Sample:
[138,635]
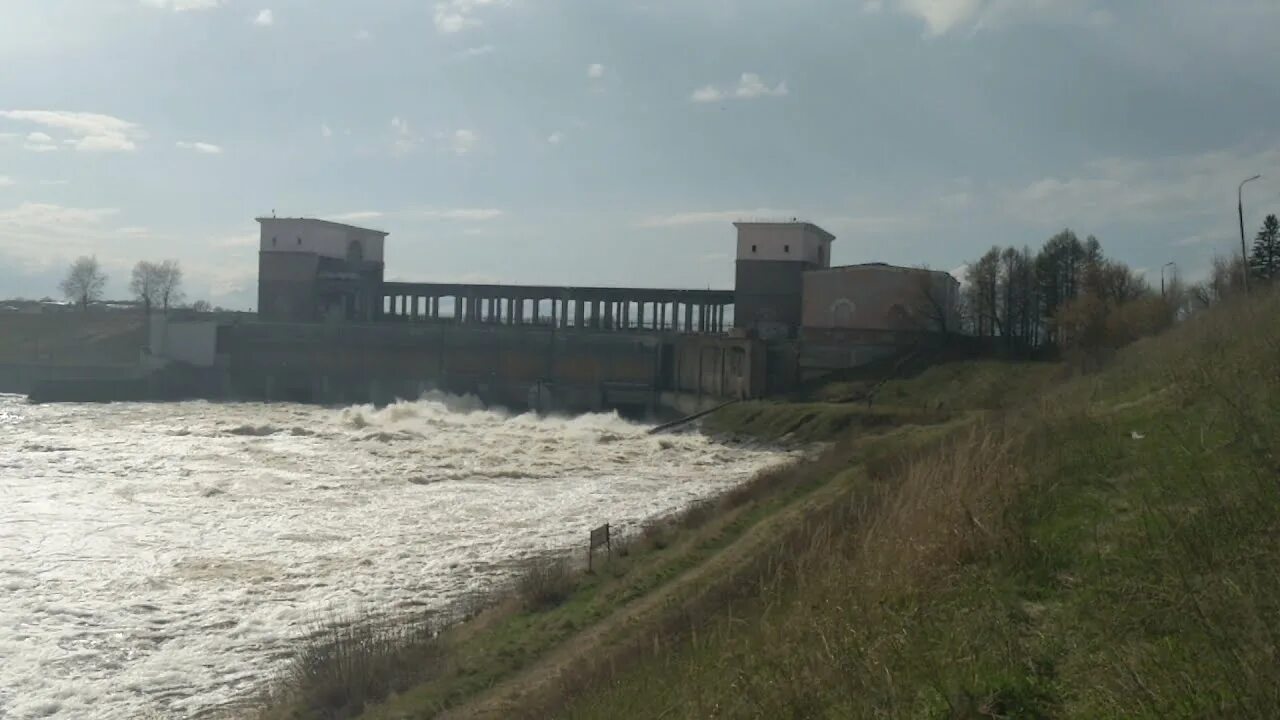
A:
[583,142]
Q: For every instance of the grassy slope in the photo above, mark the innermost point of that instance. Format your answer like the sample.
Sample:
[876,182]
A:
[70,338]
[986,540]
[1102,546]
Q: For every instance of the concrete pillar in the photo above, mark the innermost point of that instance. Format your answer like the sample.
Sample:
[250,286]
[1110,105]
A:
[688,317]
[660,315]
[564,312]
[626,315]
[640,315]
[597,313]
[578,311]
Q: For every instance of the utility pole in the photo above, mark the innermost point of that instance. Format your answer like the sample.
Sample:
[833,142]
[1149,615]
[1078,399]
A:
[1244,254]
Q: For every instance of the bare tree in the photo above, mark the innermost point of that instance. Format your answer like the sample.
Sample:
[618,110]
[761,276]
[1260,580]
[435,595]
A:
[145,284]
[84,282]
[982,286]
[936,300]
[169,284]
[157,284]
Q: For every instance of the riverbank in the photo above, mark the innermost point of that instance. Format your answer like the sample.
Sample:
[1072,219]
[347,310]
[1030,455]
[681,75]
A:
[1013,541]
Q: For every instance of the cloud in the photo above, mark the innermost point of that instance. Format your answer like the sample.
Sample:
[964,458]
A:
[183,5]
[461,141]
[454,16]
[357,215]
[40,234]
[39,142]
[363,35]
[940,16]
[406,141]
[1195,240]
[1139,190]
[595,71]
[201,147]
[464,214]
[264,18]
[477,51]
[6,181]
[749,87]
[325,130]
[944,16]
[711,216]
[236,241]
[555,138]
[55,182]
[89,132]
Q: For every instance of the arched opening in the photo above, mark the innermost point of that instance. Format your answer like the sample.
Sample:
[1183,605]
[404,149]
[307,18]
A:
[842,313]
[355,251]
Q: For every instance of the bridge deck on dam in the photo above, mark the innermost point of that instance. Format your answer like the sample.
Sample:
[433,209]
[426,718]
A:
[596,308]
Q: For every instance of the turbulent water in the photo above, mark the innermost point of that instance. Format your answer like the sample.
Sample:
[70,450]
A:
[161,560]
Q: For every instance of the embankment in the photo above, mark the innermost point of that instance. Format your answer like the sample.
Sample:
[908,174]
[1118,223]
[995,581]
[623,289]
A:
[983,540]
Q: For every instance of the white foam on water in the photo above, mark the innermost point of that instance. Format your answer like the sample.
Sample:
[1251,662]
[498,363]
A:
[161,560]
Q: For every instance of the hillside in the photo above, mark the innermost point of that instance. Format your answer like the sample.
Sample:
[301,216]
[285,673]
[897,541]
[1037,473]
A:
[983,540]
[1097,546]
[71,338]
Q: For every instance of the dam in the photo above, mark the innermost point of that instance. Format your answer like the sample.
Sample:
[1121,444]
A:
[330,328]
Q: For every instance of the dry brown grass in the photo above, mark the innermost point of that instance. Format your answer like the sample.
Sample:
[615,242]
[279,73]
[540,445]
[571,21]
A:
[344,665]
[545,582]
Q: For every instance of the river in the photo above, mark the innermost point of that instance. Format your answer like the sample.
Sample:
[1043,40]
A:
[161,560]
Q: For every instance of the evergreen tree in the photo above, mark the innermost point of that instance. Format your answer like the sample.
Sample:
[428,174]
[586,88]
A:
[1264,261]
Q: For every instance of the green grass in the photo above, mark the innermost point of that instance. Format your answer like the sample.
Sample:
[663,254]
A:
[803,423]
[1042,561]
[987,540]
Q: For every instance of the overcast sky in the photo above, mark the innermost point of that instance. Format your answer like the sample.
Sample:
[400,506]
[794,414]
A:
[593,142]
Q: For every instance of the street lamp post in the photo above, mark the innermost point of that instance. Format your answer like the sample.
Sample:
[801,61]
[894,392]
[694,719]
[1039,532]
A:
[1175,274]
[1244,254]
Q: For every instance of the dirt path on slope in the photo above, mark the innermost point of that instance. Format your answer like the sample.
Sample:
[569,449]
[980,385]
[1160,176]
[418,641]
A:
[631,626]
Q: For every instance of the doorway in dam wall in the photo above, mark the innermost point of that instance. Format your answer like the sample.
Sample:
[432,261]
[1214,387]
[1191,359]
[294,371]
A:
[667,367]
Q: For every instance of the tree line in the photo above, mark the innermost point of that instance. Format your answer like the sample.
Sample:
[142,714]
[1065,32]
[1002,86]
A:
[152,284]
[1066,293]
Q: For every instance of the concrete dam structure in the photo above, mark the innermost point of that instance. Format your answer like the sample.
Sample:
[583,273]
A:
[331,329]
[539,366]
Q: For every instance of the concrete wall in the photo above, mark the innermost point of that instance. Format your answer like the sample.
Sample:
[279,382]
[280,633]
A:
[721,368]
[22,378]
[191,342]
[791,242]
[879,297]
[768,297]
[287,286]
[525,366]
[321,237]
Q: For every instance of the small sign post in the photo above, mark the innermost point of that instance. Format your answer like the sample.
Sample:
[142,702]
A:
[599,537]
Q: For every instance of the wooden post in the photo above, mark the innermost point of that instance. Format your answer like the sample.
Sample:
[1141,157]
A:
[599,536]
